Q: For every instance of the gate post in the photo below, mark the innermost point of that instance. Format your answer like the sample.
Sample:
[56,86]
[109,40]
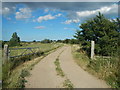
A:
[6,53]
[92,49]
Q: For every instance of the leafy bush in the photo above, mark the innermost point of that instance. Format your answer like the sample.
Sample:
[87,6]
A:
[104,32]
[22,81]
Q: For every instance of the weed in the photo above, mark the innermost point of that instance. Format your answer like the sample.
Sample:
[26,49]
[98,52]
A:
[24,73]
[68,84]
[58,68]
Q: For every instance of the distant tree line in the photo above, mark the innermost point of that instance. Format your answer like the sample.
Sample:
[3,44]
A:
[67,41]
[104,32]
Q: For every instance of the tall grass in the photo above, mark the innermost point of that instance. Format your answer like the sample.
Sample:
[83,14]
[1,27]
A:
[106,68]
[0,64]
[9,66]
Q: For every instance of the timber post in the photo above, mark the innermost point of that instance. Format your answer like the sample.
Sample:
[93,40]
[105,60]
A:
[6,53]
[92,49]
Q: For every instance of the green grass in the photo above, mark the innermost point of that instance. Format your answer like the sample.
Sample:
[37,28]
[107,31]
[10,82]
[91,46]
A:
[42,48]
[80,57]
[68,84]
[0,64]
[16,77]
[103,68]
[107,69]
[58,68]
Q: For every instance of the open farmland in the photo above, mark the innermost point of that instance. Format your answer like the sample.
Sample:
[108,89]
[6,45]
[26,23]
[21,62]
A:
[41,47]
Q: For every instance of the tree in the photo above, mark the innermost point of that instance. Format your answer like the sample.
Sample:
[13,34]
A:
[15,40]
[46,41]
[34,40]
[104,32]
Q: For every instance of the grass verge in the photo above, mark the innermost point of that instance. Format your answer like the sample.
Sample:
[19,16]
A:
[103,68]
[15,77]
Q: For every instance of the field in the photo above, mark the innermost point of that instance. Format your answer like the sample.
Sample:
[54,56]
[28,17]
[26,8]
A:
[17,74]
[41,47]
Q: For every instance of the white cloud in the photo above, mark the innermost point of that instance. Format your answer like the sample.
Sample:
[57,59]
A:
[47,17]
[39,27]
[68,21]
[103,10]
[58,15]
[23,13]
[5,10]
[71,21]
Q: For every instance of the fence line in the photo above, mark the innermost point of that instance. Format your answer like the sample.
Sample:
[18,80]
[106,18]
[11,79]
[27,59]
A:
[24,52]
[31,49]
[23,48]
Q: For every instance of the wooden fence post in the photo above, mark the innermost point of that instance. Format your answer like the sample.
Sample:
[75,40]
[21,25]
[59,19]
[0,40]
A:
[92,49]
[6,53]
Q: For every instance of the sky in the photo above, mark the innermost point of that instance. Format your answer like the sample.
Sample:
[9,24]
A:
[50,20]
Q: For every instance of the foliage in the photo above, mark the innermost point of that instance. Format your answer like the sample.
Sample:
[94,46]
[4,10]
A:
[68,41]
[12,78]
[68,84]
[13,63]
[58,68]
[104,32]
[46,41]
[15,40]
[34,40]
[104,67]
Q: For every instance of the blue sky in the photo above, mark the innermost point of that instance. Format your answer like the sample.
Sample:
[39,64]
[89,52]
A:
[60,20]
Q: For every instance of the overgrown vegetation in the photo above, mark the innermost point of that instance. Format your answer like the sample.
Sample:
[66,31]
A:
[69,41]
[104,32]
[9,68]
[21,82]
[68,84]
[0,64]
[106,68]
[58,68]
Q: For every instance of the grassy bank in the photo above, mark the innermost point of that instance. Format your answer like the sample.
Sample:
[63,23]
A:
[15,78]
[0,64]
[105,68]
[41,47]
